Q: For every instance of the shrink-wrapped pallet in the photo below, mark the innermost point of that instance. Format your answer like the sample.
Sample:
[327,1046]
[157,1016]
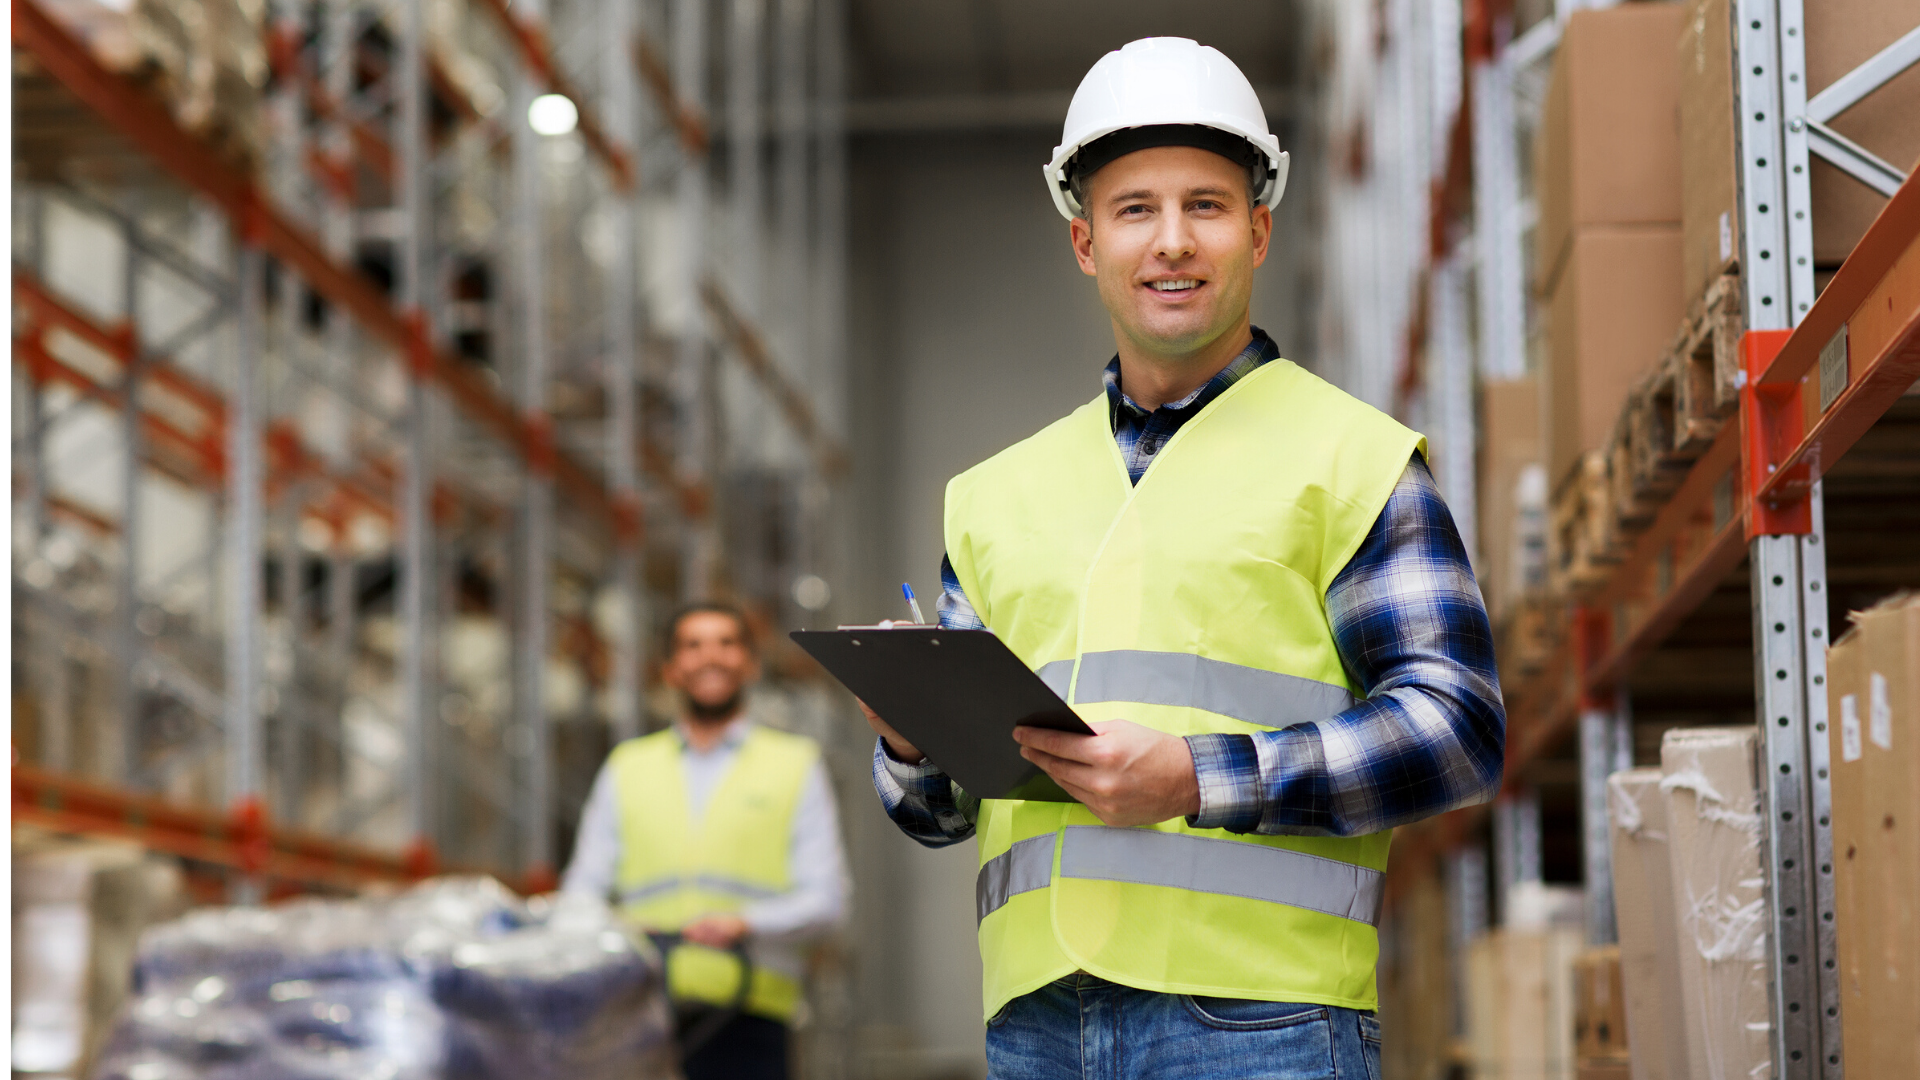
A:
[1719,895]
[1644,912]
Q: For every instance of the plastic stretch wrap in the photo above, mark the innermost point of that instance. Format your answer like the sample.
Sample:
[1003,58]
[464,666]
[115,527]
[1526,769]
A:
[457,978]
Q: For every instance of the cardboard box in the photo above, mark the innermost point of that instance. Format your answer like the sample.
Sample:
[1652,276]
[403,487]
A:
[1614,310]
[1512,522]
[1520,1004]
[1873,730]
[1840,34]
[1609,143]
[1720,907]
[1599,1007]
[78,909]
[1644,912]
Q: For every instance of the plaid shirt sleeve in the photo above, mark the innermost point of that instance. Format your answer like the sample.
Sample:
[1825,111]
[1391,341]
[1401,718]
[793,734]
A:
[1430,737]
[920,799]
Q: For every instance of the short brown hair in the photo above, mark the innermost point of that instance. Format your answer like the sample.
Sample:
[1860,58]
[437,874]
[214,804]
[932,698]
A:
[709,607]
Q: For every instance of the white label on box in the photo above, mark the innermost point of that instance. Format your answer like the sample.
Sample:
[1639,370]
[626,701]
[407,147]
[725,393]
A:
[1879,712]
[1850,728]
[1726,235]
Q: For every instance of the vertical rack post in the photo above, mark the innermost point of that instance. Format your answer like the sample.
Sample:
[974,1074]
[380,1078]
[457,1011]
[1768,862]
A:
[1496,213]
[124,743]
[690,382]
[336,58]
[1786,560]
[244,491]
[536,513]
[622,373]
[416,503]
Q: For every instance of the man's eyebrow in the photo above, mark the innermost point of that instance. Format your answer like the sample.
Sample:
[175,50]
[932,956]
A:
[1209,190]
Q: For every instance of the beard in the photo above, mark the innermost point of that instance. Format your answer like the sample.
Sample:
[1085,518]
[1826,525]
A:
[719,710]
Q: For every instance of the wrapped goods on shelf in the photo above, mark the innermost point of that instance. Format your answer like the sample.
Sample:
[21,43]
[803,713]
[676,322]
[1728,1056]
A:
[205,60]
[78,909]
[456,978]
[1612,314]
[1644,912]
[1512,495]
[1873,729]
[1520,1004]
[1719,895]
[1609,140]
[1840,34]
[1599,1003]
[212,63]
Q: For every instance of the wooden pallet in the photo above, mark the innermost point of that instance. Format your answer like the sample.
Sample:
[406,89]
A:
[1669,419]
[1675,411]
[1527,637]
[1583,531]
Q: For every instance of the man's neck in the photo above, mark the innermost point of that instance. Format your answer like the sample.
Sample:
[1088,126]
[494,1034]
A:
[1150,378]
[703,735]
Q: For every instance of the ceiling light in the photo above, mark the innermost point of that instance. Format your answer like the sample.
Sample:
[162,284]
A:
[552,114]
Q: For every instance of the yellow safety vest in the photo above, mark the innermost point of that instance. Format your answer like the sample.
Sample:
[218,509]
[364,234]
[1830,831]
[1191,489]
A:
[1192,602]
[674,870]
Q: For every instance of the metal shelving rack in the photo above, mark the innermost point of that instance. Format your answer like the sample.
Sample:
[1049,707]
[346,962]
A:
[380,125]
[1820,370]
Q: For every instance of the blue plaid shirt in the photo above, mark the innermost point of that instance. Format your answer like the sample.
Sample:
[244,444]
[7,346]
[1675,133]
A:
[1411,629]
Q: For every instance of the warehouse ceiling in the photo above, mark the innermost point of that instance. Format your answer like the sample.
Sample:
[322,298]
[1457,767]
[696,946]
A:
[933,64]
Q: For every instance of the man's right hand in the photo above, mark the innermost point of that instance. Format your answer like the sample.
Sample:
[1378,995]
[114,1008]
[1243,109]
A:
[897,746]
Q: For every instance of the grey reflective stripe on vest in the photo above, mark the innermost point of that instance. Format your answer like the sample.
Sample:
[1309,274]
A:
[1268,698]
[1184,861]
[1058,676]
[710,882]
[1024,867]
[1232,867]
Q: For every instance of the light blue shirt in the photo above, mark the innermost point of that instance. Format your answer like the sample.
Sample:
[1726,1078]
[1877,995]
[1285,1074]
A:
[817,864]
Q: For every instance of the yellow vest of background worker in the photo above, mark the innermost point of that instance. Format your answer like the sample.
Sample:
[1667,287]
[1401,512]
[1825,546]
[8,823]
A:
[1191,602]
[674,870]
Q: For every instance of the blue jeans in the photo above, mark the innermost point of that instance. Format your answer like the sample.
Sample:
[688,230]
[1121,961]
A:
[1082,1026]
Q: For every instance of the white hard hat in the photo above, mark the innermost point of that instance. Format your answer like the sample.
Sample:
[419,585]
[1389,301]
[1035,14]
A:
[1166,82]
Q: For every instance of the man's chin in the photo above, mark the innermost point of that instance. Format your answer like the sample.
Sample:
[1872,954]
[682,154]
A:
[712,709]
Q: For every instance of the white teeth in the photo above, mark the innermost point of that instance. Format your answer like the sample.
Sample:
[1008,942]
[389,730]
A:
[1173,286]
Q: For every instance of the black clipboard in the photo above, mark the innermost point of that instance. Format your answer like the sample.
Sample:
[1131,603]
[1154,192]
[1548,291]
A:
[957,695]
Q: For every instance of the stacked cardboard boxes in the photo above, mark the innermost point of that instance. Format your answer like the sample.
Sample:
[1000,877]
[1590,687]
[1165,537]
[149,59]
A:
[1607,247]
[1873,687]
[1840,34]
[78,909]
[1511,495]
[1520,1004]
[1600,1015]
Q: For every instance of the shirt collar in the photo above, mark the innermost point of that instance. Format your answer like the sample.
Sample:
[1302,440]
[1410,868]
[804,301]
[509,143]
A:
[1258,351]
[731,736]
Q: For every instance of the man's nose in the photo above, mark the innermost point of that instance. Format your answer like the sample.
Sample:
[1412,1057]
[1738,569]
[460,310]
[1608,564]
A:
[1175,239]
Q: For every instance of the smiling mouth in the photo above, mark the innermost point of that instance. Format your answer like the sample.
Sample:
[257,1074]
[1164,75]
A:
[1176,287]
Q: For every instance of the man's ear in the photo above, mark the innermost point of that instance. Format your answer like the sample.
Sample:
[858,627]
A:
[1080,231]
[1262,232]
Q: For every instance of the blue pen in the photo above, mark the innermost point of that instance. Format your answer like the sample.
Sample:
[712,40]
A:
[906,590]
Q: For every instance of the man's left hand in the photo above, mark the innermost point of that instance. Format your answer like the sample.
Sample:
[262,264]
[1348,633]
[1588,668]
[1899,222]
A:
[1125,773]
[715,931]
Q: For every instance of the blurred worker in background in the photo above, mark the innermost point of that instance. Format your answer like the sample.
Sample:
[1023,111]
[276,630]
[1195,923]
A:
[1247,582]
[723,832]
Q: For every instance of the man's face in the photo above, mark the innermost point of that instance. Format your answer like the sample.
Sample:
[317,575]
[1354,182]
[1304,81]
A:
[710,663]
[1173,240]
